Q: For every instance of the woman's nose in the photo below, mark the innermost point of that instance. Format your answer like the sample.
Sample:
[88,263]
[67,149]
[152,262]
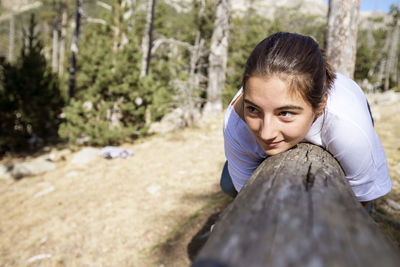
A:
[268,129]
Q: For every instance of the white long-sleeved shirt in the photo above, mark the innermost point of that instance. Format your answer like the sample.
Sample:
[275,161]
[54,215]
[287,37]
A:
[345,130]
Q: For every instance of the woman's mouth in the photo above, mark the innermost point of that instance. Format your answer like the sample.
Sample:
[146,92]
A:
[272,144]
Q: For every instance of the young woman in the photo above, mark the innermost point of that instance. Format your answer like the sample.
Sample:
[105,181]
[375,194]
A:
[290,94]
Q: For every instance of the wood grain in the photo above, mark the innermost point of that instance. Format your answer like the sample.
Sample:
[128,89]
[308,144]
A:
[297,209]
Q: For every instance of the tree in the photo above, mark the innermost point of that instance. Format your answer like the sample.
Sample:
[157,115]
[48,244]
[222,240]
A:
[218,58]
[392,58]
[30,99]
[74,49]
[64,22]
[341,35]
[11,38]
[147,39]
[111,99]
[180,55]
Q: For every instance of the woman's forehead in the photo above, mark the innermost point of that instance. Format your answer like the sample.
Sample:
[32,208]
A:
[272,90]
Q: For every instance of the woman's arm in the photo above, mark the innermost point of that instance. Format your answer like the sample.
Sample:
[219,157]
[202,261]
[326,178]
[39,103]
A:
[243,153]
[360,154]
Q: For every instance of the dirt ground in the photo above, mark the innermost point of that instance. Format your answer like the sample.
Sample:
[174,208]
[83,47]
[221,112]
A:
[148,210]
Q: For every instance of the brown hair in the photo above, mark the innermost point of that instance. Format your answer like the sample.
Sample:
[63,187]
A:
[295,57]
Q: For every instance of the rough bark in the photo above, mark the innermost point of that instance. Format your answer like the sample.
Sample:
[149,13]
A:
[218,59]
[74,49]
[11,38]
[297,209]
[117,29]
[129,14]
[392,58]
[341,35]
[54,56]
[64,21]
[147,38]
[382,59]
[191,107]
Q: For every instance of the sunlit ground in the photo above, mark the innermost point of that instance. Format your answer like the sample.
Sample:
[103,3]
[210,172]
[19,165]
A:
[145,210]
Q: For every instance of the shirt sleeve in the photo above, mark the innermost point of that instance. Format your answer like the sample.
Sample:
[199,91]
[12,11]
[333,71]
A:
[242,151]
[240,164]
[360,154]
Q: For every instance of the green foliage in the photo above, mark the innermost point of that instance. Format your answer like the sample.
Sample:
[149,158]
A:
[248,30]
[30,99]
[112,103]
[370,50]
[365,56]
[245,34]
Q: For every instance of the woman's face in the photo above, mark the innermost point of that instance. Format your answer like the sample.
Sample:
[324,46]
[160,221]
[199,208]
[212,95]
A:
[278,120]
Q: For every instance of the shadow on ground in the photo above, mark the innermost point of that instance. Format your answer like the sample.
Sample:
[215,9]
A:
[182,244]
[198,241]
[388,218]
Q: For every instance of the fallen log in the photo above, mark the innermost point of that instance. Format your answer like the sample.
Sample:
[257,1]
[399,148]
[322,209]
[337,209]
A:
[297,209]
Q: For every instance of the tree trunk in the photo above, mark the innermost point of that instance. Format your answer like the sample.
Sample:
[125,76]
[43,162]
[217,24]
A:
[382,59]
[129,15]
[54,56]
[64,21]
[147,38]
[117,29]
[297,209]
[11,38]
[74,49]
[392,56]
[341,35]
[55,33]
[191,109]
[218,59]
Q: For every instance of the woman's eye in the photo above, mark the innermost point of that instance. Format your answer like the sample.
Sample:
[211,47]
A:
[286,114]
[251,110]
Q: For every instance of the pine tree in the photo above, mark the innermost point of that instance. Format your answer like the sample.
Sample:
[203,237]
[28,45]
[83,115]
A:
[30,99]
[111,99]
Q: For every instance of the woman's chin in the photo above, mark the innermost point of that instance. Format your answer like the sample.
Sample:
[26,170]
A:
[274,151]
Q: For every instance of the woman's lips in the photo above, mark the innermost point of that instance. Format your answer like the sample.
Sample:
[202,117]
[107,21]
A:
[272,144]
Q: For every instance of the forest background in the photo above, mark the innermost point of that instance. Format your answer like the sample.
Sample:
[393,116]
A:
[93,80]
[145,210]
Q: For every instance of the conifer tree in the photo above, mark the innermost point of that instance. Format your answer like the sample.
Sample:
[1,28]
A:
[111,100]
[30,99]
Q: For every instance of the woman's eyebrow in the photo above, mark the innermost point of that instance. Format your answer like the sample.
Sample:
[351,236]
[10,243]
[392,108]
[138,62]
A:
[249,102]
[290,107]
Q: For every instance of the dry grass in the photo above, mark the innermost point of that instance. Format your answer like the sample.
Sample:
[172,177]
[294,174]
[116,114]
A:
[387,125]
[112,212]
[142,211]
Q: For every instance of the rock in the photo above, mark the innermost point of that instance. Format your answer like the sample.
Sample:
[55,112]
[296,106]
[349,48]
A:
[386,98]
[72,174]
[59,155]
[393,204]
[85,156]
[5,171]
[39,257]
[153,189]
[175,120]
[31,168]
[44,192]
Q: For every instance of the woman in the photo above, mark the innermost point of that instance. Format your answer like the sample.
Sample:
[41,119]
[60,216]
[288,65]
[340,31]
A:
[290,94]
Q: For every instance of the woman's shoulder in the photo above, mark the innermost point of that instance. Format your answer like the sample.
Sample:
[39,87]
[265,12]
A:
[347,103]
[347,87]
[237,135]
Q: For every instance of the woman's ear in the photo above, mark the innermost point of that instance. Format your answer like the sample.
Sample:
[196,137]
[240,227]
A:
[322,105]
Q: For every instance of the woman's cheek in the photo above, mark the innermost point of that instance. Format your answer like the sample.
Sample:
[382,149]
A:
[253,124]
[296,130]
